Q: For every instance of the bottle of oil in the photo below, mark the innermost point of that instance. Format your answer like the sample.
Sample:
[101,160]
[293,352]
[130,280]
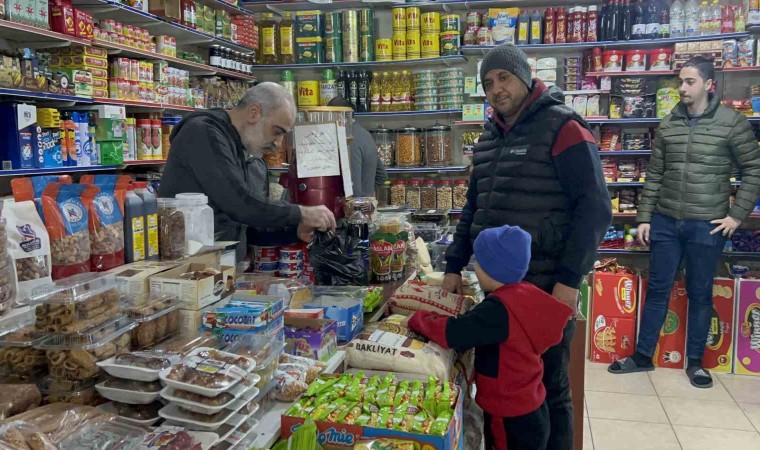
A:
[397,92]
[375,94]
[287,39]
[268,39]
[406,83]
[386,93]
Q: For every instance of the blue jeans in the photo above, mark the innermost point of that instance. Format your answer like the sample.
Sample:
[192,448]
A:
[672,241]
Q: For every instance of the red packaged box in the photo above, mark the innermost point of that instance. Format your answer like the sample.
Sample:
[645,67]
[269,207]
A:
[670,351]
[80,23]
[720,339]
[62,18]
[615,295]
[89,26]
[611,338]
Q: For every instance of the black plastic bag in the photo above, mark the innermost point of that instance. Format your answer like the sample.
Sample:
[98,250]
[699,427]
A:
[337,259]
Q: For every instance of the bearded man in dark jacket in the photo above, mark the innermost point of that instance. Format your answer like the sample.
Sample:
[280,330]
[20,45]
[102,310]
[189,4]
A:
[536,166]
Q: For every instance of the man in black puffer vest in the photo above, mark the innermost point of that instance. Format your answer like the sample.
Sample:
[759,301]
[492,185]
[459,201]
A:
[536,166]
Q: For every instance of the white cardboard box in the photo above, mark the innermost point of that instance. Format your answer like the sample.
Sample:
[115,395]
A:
[134,278]
[196,294]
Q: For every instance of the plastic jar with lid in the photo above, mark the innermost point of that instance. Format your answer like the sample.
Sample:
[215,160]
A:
[385,145]
[413,194]
[199,221]
[443,194]
[438,145]
[427,195]
[171,230]
[383,195]
[398,193]
[408,147]
[460,194]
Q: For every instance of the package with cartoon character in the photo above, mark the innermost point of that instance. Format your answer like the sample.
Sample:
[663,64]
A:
[28,248]
[107,221]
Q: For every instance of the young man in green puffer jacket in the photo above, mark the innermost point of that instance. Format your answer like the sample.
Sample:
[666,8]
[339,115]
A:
[684,211]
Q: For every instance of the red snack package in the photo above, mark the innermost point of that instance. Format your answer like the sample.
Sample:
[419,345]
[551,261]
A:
[66,210]
[30,189]
[107,220]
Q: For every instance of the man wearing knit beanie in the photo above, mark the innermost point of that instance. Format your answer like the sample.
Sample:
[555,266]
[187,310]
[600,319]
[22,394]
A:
[509,330]
[536,166]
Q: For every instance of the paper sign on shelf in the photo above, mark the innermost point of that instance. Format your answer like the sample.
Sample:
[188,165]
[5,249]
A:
[345,163]
[317,150]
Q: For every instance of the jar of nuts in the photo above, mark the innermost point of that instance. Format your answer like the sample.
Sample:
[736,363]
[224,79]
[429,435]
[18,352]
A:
[438,145]
[460,194]
[427,195]
[398,193]
[443,194]
[413,194]
[408,147]
[385,145]
[171,230]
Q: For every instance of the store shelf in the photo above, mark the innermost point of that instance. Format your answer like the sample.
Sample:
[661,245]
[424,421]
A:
[621,121]
[469,123]
[642,73]
[139,104]
[226,6]
[155,162]
[440,61]
[36,37]
[194,67]
[439,112]
[625,153]
[21,172]
[111,9]
[43,96]
[444,5]
[587,92]
[624,184]
[426,169]
[623,251]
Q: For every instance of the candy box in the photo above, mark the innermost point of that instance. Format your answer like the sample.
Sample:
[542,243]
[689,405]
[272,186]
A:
[611,338]
[312,338]
[720,337]
[747,324]
[614,295]
[253,313]
[348,312]
[670,351]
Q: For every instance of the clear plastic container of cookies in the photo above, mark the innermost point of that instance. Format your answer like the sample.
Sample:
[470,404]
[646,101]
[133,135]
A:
[184,345]
[66,391]
[17,352]
[75,356]
[76,303]
[102,433]
[157,317]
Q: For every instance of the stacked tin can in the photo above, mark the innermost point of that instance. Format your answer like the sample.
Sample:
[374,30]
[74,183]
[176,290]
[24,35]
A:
[366,35]
[413,33]
[426,90]
[430,38]
[291,261]
[450,34]
[398,43]
[350,24]
[450,88]
[266,260]
[333,37]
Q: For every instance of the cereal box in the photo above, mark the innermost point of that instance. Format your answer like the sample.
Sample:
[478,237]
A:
[615,295]
[611,338]
[670,351]
[720,338]
[747,340]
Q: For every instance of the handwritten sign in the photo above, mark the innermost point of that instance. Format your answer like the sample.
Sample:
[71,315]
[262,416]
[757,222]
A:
[345,162]
[317,150]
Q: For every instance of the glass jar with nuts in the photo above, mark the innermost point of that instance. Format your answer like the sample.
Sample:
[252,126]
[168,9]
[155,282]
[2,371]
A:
[460,194]
[443,194]
[427,195]
[413,194]
[438,145]
[398,193]
[408,147]
[385,145]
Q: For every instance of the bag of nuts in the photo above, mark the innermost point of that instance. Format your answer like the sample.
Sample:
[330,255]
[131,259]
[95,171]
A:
[107,221]
[28,247]
[25,189]
[66,209]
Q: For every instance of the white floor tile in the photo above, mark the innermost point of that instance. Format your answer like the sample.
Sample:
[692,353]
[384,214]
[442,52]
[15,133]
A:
[704,413]
[639,408]
[699,438]
[743,388]
[595,366]
[588,442]
[632,383]
[752,411]
[625,435]
[675,383]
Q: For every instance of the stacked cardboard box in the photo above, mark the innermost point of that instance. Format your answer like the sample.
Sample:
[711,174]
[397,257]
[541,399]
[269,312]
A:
[720,338]
[670,351]
[614,300]
[747,343]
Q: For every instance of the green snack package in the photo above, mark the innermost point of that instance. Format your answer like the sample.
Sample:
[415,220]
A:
[299,409]
[442,399]
[325,397]
[384,417]
[349,416]
[340,405]
[370,392]
[355,388]
[421,423]
[417,393]
[342,384]
[408,422]
[386,391]
[402,393]
[441,424]
[322,411]
[398,416]
[320,385]
[428,403]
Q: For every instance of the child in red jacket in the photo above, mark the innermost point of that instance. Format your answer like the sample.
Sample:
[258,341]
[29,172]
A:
[509,330]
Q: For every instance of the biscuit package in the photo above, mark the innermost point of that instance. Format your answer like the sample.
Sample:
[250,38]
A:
[66,211]
[28,247]
[31,188]
[107,221]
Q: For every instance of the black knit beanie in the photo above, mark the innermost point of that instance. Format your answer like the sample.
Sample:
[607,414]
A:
[510,58]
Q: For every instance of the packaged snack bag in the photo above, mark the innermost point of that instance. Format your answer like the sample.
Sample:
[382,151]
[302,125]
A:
[28,247]
[106,224]
[31,188]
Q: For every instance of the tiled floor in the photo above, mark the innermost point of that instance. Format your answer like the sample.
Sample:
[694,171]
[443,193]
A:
[660,410]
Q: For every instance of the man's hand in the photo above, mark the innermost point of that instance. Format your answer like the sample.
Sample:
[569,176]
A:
[727,225]
[566,295]
[452,282]
[317,217]
[642,233]
[305,233]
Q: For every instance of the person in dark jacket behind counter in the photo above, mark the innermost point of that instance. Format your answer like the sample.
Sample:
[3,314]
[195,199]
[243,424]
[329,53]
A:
[536,166]
[509,330]
[220,153]
[684,212]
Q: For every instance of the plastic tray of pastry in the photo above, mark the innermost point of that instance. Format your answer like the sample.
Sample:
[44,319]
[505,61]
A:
[142,415]
[259,347]
[68,391]
[74,304]
[129,391]
[211,405]
[138,366]
[238,420]
[176,414]
[208,372]
[184,345]
[17,341]
[75,356]
[102,434]
[157,317]
[242,437]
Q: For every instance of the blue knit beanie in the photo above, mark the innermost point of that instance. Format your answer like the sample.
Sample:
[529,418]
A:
[503,253]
